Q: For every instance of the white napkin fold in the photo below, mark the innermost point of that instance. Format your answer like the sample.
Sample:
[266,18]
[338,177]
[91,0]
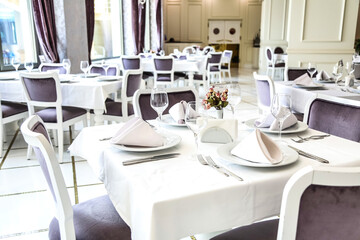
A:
[257,147]
[137,132]
[322,75]
[178,111]
[304,80]
[270,121]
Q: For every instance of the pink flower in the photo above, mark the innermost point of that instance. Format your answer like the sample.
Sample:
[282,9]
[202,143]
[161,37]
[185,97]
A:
[223,98]
[207,106]
[218,94]
[211,90]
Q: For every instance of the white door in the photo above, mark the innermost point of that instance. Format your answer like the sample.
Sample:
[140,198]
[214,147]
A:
[216,31]
[232,31]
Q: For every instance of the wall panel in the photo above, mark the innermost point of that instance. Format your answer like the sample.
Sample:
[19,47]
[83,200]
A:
[173,21]
[225,9]
[277,20]
[194,22]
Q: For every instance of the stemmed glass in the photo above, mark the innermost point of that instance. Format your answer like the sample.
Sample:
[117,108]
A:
[234,96]
[29,65]
[337,72]
[84,66]
[349,68]
[105,66]
[67,65]
[194,110]
[281,109]
[159,101]
[15,63]
[311,69]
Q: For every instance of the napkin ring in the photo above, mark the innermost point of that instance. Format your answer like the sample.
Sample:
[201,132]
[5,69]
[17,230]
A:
[216,135]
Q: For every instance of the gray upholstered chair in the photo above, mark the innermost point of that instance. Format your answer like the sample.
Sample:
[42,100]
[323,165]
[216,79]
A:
[265,91]
[113,70]
[293,73]
[318,203]
[272,64]
[214,66]
[120,111]
[143,109]
[10,112]
[226,62]
[333,115]
[43,90]
[95,219]
[164,71]
[44,67]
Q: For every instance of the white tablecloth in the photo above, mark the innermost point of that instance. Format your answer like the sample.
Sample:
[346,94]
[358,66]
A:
[178,197]
[300,96]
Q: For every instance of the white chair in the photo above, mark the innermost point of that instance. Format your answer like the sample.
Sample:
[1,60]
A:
[141,100]
[94,219]
[10,112]
[44,67]
[272,64]
[214,66]
[265,91]
[318,203]
[226,62]
[43,90]
[164,71]
[113,69]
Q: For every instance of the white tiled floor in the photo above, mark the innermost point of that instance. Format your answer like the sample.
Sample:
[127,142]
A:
[26,208]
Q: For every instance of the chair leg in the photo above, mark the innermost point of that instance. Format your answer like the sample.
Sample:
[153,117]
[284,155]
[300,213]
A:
[54,133]
[29,152]
[272,73]
[61,144]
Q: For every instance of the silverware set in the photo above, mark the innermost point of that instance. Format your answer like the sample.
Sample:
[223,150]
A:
[150,159]
[313,137]
[309,155]
[210,162]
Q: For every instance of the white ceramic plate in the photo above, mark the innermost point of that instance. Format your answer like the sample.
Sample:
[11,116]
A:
[331,80]
[108,78]
[289,156]
[89,75]
[308,87]
[299,127]
[171,140]
[169,121]
[7,78]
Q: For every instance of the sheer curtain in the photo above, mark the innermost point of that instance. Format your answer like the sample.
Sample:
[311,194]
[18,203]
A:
[44,18]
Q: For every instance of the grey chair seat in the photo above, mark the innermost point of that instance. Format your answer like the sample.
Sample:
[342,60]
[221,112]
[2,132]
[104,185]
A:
[48,115]
[214,69]
[266,230]
[46,68]
[226,67]
[281,64]
[196,77]
[114,109]
[179,74]
[95,219]
[9,108]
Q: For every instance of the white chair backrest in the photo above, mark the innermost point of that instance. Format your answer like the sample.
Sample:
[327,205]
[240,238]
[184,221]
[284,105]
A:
[226,57]
[131,62]
[98,68]
[157,70]
[299,182]
[264,96]
[56,184]
[208,49]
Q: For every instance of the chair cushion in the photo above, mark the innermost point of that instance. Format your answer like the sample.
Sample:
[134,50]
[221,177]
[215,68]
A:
[164,77]
[114,109]
[180,74]
[95,219]
[10,108]
[225,67]
[266,230]
[214,69]
[281,64]
[197,77]
[48,115]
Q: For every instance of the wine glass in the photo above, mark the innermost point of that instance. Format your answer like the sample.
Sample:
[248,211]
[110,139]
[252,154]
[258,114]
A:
[159,101]
[349,68]
[105,66]
[311,69]
[15,63]
[194,110]
[67,65]
[281,109]
[84,66]
[162,53]
[29,65]
[234,96]
[337,72]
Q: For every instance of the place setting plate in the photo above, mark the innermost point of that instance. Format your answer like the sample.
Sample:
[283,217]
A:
[320,81]
[317,86]
[289,156]
[167,120]
[298,127]
[7,78]
[171,140]
[89,75]
[108,78]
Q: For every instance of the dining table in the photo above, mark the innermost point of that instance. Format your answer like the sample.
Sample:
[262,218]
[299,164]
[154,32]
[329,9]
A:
[77,91]
[178,197]
[300,95]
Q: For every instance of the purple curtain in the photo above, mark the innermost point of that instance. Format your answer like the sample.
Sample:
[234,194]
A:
[138,25]
[159,24]
[90,24]
[44,18]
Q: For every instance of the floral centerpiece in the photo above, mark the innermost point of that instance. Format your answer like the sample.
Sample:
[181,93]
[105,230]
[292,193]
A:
[216,99]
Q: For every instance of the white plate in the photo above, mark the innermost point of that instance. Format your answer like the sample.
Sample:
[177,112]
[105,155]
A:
[325,81]
[171,140]
[108,78]
[299,127]
[308,87]
[7,78]
[89,75]
[289,156]
[169,121]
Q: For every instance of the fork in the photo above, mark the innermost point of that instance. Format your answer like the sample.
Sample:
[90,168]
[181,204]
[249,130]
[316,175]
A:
[203,162]
[211,162]
[314,137]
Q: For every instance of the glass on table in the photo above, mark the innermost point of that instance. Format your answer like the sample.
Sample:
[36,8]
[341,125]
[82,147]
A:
[349,68]
[337,72]
[234,96]
[29,65]
[311,68]
[15,62]
[84,66]
[67,65]
[281,109]
[159,101]
[105,66]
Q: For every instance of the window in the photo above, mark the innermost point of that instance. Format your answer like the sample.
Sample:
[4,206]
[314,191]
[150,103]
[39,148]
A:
[107,41]
[17,36]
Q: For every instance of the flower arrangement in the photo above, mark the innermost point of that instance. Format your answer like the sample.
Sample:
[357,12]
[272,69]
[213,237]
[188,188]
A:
[216,99]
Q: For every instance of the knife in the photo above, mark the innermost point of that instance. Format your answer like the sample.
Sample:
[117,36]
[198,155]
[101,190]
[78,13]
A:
[309,155]
[150,159]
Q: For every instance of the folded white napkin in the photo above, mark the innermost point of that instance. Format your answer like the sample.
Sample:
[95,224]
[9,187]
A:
[322,75]
[304,80]
[178,111]
[137,132]
[270,121]
[257,147]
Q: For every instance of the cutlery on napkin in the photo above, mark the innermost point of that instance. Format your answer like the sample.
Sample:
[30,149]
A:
[270,121]
[257,147]
[304,80]
[178,111]
[137,132]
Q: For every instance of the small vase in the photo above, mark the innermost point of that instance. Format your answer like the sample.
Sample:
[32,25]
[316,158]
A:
[220,113]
